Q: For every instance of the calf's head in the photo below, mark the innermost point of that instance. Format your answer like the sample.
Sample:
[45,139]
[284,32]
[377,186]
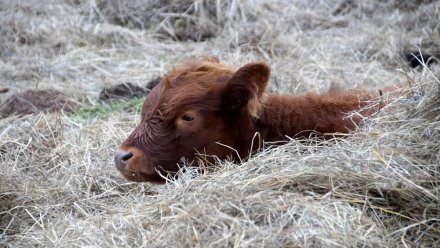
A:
[200,110]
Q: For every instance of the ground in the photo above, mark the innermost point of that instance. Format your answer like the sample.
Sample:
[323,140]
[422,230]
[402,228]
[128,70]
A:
[377,187]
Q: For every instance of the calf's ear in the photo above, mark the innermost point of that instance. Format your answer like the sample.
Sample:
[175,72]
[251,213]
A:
[245,89]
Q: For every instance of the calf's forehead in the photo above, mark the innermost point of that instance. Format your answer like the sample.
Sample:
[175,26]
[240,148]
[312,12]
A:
[152,99]
[193,84]
[197,72]
[172,101]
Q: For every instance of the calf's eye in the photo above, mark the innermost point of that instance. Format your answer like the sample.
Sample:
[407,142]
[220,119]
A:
[187,117]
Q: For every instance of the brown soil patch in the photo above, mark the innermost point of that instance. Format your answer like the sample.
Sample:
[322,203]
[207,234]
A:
[127,90]
[35,101]
[415,58]
[155,81]
[121,91]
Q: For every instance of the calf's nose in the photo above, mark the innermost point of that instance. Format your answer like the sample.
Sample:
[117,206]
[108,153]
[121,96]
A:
[121,158]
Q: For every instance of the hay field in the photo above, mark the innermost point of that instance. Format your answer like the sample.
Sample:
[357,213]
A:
[377,187]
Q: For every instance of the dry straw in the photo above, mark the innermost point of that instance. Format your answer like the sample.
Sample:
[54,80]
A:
[377,187]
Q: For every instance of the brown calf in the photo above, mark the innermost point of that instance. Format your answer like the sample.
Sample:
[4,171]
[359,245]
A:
[205,108]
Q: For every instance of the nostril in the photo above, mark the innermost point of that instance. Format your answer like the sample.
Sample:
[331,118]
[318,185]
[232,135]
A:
[121,158]
[126,156]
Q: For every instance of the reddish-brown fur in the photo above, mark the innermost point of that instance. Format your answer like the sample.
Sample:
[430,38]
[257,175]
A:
[203,109]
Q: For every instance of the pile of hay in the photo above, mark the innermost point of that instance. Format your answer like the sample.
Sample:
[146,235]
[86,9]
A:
[377,187]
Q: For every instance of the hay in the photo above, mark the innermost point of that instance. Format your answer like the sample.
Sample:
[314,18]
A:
[377,187]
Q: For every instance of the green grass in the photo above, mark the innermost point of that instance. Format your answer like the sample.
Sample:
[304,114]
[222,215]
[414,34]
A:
[102,110]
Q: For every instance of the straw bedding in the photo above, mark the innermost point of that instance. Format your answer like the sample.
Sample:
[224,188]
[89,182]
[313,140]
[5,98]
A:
[377,187]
